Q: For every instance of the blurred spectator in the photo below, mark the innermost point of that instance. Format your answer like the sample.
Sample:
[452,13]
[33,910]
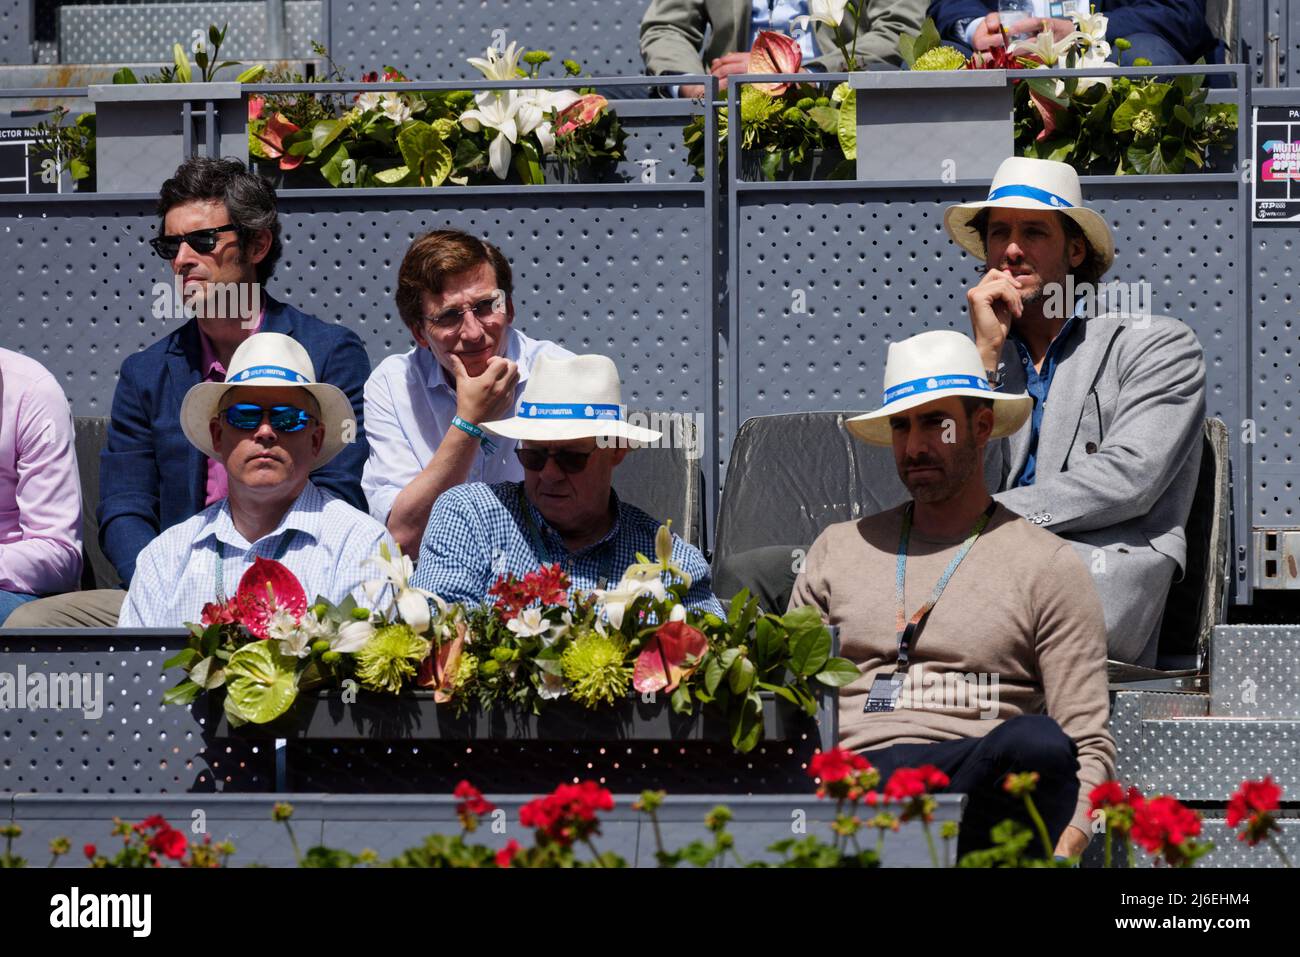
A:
[1166,32]
[40,495]
[673,34]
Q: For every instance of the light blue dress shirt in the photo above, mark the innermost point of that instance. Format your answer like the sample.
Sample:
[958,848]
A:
[409,407]
[175,575]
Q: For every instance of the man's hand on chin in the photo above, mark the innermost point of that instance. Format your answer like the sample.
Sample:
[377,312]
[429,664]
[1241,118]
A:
[1073,842]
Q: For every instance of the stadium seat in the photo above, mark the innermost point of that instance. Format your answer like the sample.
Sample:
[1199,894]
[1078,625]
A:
[665,481]
[91,432]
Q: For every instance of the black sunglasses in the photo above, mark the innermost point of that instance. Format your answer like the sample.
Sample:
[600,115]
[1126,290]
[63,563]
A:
[201,241]
[453,316]
[569,461]
[248,417]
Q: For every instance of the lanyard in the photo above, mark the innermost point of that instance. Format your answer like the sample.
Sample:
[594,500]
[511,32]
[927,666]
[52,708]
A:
[544,555]
[285,540]
[907,628]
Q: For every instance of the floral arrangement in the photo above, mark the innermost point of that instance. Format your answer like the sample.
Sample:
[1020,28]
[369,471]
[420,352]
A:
[1098,124]
[567,820]
[426,138]
[531,645]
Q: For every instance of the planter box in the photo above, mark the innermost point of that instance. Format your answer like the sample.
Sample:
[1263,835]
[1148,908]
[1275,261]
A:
[911,122]
[817,166]
[322,715]
[146,130]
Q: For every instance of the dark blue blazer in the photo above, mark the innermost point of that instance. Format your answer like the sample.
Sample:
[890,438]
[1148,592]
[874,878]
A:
[151,477]
[1181,23]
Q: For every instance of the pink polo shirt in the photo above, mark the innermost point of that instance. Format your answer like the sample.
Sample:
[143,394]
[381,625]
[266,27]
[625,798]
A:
[40,491]
[214,371]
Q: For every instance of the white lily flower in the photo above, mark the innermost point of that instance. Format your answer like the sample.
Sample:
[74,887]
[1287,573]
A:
[829,12]
[1091,25]
[498,65]
[496,112]
[412,603]
[1046,47]
[352,636]
[368,101]
[397,570]
[551,687]
[537,108]
[399,111]
[528,623]
[292,638]
[613,602]
[678,613]
[1093,58]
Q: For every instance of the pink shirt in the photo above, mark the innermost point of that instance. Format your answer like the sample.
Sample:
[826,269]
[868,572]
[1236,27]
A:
[40,491]
[214,371]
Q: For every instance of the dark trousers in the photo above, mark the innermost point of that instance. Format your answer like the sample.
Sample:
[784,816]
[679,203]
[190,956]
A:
[976,767]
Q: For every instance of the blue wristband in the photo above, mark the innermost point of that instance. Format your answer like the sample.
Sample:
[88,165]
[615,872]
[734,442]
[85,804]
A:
[469,428]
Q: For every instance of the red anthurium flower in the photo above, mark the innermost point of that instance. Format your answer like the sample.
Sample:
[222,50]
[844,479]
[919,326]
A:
[266,586]
[582,113]
[438,671]
[1051,111]
[774,53]
[1254,802]
[277,130]
[255,104]
[670,657]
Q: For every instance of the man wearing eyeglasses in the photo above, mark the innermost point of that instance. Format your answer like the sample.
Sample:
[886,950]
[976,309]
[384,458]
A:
[425,408]
[270,424]
[573,431]
[220,233]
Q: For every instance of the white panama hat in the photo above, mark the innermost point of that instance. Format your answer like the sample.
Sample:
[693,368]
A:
[574,397]
[1022,183]
[930,366]
[269,359]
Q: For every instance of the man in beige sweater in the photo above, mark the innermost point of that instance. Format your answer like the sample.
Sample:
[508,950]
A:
[1003,671]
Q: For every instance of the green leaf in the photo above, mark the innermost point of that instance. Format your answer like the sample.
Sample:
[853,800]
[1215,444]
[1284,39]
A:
[741,675]
[714,672]
[215,36]
[425,153]
[79,168]
[746,721]
[183,693]
[324,133]
[768,641]
[809,651]
[252,74]
[781,690]
[528,163]
[392,177]
[913,47]
[848,131]
[837,673]
[681,700]
[125,75]
[185,658]
[335,165]
[827,118]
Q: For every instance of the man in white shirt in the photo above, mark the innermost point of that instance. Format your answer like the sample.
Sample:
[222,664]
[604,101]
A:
[425,408]
[270,424]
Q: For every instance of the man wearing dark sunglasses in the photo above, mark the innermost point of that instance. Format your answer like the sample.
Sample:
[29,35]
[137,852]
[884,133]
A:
[572,432]
[218,231]
[425,408]
[270,424]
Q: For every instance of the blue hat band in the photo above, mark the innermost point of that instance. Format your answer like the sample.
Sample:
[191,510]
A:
[552,411]
[269,372]
[938,383]
[1030,192]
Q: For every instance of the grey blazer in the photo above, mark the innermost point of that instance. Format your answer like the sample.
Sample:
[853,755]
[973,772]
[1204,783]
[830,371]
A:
[673,33]
[1119,455]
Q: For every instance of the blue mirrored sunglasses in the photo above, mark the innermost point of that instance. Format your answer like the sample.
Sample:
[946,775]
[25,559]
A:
[284,418]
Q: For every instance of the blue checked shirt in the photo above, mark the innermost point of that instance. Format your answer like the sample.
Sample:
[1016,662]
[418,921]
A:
[478,533]
[175,575]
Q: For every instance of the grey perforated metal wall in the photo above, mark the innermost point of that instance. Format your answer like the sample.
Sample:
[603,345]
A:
[431,41]
[15,31]
[134,744]
[116,33]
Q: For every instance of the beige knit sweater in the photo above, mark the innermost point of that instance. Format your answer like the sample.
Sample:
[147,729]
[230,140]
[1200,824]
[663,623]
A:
[1020,610]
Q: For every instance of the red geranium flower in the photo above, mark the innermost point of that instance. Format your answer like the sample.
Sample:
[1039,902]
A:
[907,783]
[506,856]
[170,842]
[471,800]
[569,813]
[89,851]
[1254,802]
[1163,825]
[836,764]
[1106,794]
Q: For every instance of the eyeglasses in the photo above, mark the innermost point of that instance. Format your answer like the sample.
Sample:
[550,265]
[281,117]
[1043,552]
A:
[284,418]
[569,461]
[452,317]
[201,241]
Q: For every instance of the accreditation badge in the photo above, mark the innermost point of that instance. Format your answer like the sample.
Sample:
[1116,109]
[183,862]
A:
[884,693]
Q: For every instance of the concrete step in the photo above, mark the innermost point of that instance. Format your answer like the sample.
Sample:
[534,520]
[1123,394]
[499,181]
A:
[1255,671]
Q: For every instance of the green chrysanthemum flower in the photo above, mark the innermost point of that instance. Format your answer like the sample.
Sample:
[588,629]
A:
[466,671]
[390,657]
[939,58]
[756,106]
[1144,123]
[595,669]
